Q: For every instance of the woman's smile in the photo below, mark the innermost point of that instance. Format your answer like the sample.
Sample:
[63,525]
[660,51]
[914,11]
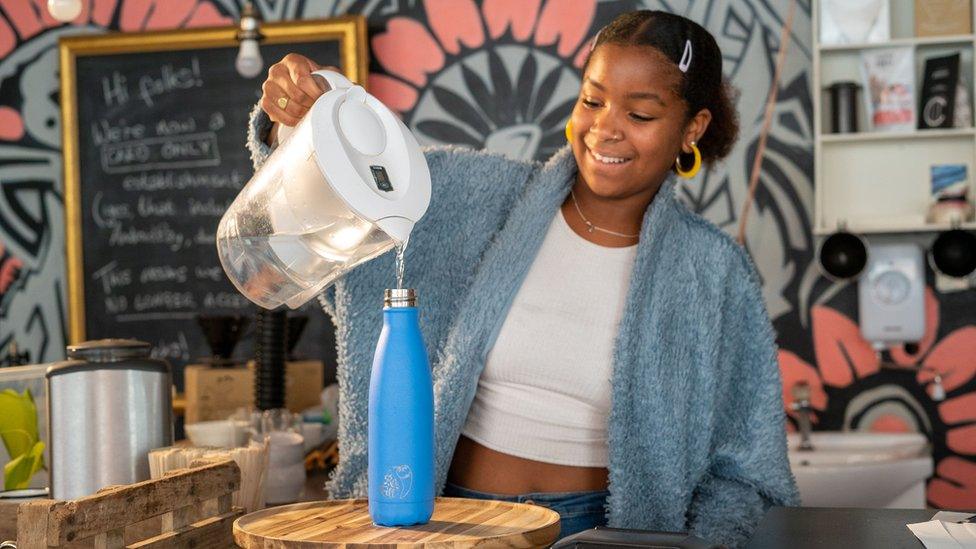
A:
[609,159]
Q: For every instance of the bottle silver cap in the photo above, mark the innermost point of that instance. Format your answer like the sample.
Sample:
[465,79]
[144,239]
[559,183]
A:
[400,297]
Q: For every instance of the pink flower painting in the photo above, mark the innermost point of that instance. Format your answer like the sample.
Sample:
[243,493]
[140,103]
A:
[503,75]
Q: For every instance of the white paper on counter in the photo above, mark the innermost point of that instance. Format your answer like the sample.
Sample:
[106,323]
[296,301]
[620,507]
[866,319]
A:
[951,516]
[933,535]
[964,534]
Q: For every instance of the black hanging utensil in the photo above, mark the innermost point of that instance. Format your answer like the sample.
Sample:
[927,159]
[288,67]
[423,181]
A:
[954,253]
[843,255]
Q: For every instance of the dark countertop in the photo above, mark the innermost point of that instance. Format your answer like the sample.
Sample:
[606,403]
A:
[782,527]
[823,528]
[801,527]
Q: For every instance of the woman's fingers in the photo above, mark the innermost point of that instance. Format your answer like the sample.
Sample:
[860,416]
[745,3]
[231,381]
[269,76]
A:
[298,64]
[288,115]
[294,93]
[314,84]
[300,71]
[309,85]
[290,89]
[283,97]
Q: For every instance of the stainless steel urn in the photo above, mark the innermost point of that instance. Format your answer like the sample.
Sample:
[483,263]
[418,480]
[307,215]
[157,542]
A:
[108,406]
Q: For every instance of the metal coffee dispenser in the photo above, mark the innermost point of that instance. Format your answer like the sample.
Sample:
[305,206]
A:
[108,406]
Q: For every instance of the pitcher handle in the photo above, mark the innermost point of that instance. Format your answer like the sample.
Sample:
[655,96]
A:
[336,80]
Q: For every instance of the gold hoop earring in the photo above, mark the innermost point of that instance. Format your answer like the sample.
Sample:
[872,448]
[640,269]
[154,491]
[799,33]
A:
[694,168]
[569,131]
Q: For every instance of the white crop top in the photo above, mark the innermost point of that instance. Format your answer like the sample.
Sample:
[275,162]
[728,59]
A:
[544,393]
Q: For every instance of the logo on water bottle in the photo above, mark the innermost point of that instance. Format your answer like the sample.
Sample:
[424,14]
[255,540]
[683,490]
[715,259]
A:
[397,482]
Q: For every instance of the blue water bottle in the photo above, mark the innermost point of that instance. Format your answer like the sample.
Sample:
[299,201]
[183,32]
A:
[401,418]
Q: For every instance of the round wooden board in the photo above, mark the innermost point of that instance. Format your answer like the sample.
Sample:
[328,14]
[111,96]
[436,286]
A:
[456,522]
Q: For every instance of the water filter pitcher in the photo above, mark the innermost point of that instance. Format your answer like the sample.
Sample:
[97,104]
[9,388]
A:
[346,185]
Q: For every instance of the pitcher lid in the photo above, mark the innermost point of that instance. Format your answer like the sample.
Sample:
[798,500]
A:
[370,159]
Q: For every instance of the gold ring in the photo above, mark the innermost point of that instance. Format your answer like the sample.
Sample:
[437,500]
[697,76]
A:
[283,102]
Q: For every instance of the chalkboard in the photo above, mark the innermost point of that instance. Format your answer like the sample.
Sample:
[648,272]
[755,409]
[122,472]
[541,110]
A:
[154,130]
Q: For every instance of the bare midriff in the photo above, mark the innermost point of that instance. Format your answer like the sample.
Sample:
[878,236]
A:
[479,468]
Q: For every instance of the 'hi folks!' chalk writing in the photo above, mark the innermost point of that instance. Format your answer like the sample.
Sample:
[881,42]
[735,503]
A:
[168,78]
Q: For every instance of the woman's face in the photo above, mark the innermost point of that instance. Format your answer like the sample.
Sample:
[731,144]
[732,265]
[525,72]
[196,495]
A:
[629,123]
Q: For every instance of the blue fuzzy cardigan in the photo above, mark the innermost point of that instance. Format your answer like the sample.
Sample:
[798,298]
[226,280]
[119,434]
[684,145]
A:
[696,428]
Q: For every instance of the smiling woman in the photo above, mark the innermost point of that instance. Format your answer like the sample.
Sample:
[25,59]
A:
[597,348]
[652,101]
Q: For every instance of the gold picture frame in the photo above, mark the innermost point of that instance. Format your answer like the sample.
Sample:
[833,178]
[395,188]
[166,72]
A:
[349,31]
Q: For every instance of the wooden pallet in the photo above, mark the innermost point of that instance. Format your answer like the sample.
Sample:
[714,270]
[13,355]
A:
[194,505]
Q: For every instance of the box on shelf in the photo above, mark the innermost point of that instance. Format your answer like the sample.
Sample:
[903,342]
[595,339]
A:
[216,393]
[889,83]
[854,21]
[304,380]
[950,202]
[943,17]
[940,82]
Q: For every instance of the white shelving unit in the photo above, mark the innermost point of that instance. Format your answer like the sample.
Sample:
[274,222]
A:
[910,41]
[874,182]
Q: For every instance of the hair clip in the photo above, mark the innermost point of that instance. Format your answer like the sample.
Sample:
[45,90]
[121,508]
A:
[685,57]
[595,38]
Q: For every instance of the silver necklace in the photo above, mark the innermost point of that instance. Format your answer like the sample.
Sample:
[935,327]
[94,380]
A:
[590,227]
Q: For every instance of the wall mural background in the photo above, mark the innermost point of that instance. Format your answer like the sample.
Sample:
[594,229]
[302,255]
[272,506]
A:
[503,74]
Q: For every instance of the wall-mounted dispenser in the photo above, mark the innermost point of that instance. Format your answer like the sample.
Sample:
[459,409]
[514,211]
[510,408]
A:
[891,295]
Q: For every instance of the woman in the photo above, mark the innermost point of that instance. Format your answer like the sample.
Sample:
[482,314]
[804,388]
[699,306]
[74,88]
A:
[596,347]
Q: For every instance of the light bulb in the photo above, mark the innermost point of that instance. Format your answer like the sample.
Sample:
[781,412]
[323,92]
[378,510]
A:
[64,10]
[249,62]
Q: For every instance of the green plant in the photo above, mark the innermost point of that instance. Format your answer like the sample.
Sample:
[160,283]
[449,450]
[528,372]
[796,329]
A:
[18,429]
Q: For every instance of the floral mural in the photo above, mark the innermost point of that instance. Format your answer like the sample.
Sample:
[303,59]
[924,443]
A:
[503,75]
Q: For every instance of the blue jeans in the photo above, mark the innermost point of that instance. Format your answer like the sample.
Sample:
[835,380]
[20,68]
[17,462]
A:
[578,511]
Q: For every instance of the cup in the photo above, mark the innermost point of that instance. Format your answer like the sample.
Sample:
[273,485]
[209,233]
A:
[286,467]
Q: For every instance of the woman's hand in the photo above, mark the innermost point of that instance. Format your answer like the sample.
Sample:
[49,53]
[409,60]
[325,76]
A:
[291,79]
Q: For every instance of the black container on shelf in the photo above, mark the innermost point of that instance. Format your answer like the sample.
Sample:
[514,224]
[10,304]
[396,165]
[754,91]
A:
[843,106]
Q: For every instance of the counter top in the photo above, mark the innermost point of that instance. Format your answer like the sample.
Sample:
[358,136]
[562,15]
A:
[782,527]
[821,528]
